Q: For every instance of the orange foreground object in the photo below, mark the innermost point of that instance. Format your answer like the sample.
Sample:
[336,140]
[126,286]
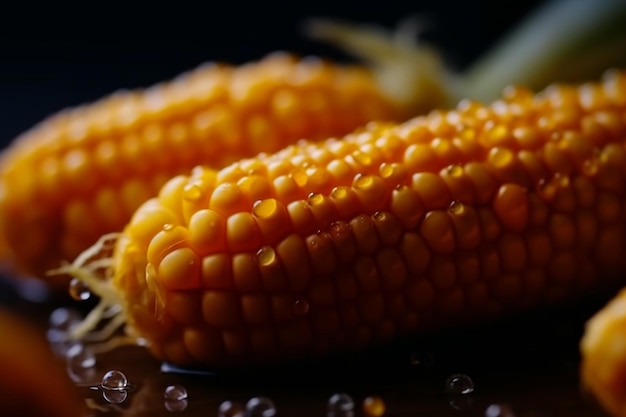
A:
[83,172]
[32,384]
[449,218]
[603,347]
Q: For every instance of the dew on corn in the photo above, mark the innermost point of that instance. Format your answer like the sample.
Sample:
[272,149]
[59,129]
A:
[81,363]
[260,407]
[176,406]
[231,409]
[459,384]
[79,290]
[114,380]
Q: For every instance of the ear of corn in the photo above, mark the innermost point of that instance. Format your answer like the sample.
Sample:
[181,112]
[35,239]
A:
[324,247]
[603,348]
[81,173]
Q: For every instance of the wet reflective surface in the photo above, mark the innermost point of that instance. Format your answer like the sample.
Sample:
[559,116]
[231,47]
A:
[527,365]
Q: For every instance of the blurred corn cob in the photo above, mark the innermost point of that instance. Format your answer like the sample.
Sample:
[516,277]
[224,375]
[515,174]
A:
[450,218]
[603,347]
[81,173]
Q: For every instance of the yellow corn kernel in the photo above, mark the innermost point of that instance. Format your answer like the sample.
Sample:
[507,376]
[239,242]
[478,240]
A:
[369,256]
[83,172]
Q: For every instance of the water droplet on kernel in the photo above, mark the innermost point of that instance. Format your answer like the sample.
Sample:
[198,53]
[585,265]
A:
[114,397]
[315,199]
[192,192]
[459,384]
[260,407]
[266,255]
[114,380]
[339,192]
[168,227]
[499,410]
[79,290]
[363,181]
[373,406]
[456,208]
[175,393]
[500,157]
[455,170]
[340,405]
[300,307]
[264,208]
[231,409]
[386,170]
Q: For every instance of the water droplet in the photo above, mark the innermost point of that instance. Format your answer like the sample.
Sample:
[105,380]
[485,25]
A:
[175,406]
[363,181]
[192,192]
[455,170]
[386,170]
[459,384]
[339,192]
[114,397]
[266,255]
[301,307]
[456,208]
[264,208]
[499,410]
[231,409]
[114,380]
[78,290]
[421,359]
[167,227]
[340,405]
[80,356]
[260,407]
[381,216]
[373,406]
[315,199]
[175,393]
[64,318]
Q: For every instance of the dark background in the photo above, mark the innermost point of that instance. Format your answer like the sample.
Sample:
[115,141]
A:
[58,54]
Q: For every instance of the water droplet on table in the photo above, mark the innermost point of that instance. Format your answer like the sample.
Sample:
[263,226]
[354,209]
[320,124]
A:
[260,407]
[459,384]
[175,406]
[114,380]
[175,393]
[499,410]
[340,405]
[231,409]
[114,397]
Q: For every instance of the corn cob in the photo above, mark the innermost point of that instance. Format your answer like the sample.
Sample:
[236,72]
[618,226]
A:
[603,348]
[101,161]
[446,219]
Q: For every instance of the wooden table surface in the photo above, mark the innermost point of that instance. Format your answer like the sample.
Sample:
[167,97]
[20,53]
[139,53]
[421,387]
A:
[529,362]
